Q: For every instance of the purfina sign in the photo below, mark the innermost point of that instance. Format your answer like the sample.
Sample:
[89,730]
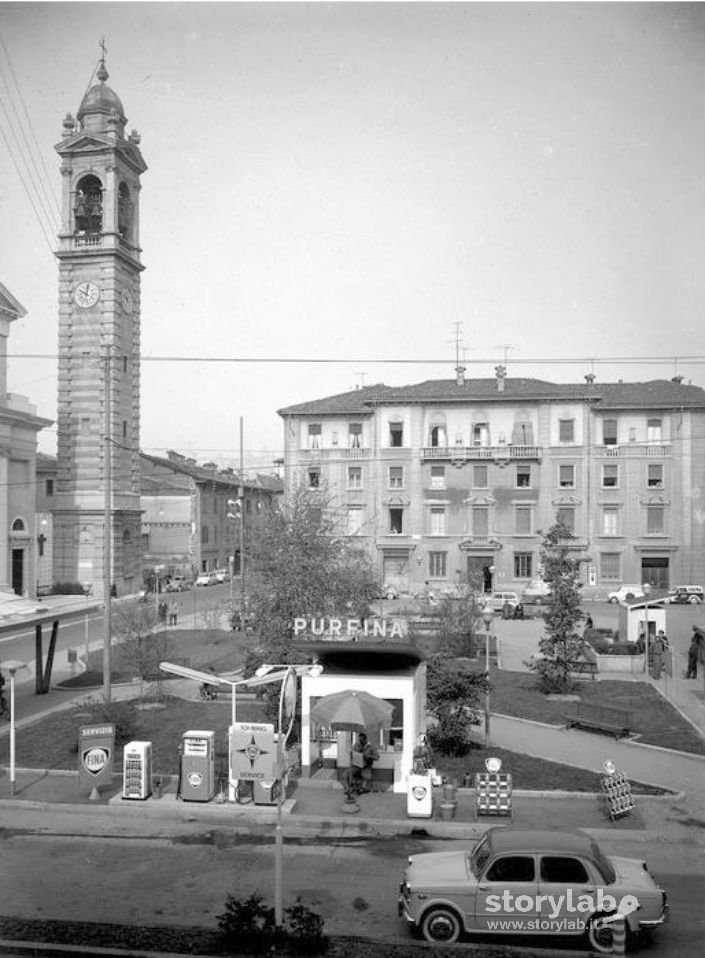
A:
[96,751]
[340,630]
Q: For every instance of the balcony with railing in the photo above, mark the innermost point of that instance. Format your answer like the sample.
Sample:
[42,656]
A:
[499,453]
[632,450]
[333,453]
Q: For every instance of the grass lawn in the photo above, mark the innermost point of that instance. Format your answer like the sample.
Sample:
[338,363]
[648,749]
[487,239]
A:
[654,720]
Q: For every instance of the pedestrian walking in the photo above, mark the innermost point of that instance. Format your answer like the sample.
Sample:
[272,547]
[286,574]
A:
[660,647]
[173,612]
[162,612]
[695,653]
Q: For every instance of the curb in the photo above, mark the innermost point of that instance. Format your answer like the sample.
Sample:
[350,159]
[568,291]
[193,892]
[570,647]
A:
[33,948]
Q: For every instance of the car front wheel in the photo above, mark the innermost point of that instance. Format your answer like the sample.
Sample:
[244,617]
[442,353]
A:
[613,600]
[694,600]
[441,925]
[601,937]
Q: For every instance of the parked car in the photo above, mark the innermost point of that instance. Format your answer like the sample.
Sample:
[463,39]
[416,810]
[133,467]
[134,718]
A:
[536,589]
[389,592]
[626,592]
[207,578]
[178,584]
[569,883]
[498,600]
[222,575]
[685,595]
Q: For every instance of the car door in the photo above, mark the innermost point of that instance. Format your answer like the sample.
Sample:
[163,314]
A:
[566,883]
[506,901]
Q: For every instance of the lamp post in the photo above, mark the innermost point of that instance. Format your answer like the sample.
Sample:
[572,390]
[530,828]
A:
[12,666]
[487,617]
[647,591]
[285,716]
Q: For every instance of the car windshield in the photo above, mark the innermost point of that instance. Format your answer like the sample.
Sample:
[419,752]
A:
[478,857]
[603,863]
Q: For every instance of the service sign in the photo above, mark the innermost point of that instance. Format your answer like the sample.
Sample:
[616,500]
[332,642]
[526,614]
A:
[252,752]
[96,749]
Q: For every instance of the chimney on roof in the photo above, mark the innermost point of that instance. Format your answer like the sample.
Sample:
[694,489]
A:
[501,373]
[677,379]
[590,378]
[460,375]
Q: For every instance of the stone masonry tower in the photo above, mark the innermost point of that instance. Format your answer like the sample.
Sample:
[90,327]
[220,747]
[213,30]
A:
[99,346]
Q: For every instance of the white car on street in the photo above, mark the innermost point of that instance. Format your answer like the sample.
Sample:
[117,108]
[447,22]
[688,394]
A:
[626,592]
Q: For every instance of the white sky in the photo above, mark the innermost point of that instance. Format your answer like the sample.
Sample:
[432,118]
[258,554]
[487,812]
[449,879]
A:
[349,181]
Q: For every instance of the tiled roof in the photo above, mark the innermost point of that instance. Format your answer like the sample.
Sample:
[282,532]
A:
[656,394]
[213,474]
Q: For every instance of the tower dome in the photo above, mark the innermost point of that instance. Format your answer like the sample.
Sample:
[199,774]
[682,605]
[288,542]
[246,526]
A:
[99,103]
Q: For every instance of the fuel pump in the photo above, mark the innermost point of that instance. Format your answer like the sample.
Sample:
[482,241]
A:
[197,775]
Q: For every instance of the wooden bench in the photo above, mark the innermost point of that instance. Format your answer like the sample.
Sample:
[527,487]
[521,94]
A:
[585,668]
[600,718]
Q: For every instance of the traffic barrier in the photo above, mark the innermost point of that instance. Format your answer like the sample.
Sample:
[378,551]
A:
[619,936]
[493,794]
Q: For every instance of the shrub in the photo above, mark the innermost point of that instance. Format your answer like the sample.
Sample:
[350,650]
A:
[120,714]
[603,647]
[68,588]
[248,925]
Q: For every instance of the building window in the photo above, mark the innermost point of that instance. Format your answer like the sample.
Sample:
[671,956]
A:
[566,477]
[566,430]
[124,429]
[396,521]
[314,478]
[354,477]
[654,478]
[396,434]
[610,521]
[438,477]
[610,567]
[355,517]
[48,487]
[523,565]
[566,515]
[438,521]
[314,435]
[479,477]
[396,477]
[438,436]
[355,435]
[610,476]
[85,425]
[437,565]
[204,534]
[655,520]
[654,430]
[523,477]
[609,432]
[480,520]
[481,434]
[522,520]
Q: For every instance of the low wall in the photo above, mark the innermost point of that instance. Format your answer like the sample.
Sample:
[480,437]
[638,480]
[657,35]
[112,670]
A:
[633,664]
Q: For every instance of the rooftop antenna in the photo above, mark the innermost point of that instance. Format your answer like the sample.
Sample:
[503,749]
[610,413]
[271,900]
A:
[362,380]
[459,364]
[505,347]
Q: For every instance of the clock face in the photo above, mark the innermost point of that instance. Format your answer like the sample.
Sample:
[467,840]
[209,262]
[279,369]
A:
[127,301]
[86,294]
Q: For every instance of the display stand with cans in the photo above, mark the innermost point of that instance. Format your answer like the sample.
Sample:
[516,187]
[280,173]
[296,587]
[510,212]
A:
[137,770]
[493,790]
[616,791]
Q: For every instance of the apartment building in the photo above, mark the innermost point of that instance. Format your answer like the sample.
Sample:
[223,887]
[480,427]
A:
[444,477]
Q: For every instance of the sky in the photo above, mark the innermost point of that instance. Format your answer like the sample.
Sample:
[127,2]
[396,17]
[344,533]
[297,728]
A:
[340,194]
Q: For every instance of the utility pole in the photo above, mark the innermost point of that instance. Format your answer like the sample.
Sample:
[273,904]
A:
[243,594]
[108,530]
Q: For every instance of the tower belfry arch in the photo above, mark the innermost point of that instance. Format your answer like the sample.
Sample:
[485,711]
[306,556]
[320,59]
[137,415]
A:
[99,344]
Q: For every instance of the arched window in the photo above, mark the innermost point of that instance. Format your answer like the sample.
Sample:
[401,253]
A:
[437,435]
[18,526]
[88,206]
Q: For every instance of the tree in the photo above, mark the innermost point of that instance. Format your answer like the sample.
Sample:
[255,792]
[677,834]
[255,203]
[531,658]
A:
[141,646]
[453,699]
[300,565]
[561,648]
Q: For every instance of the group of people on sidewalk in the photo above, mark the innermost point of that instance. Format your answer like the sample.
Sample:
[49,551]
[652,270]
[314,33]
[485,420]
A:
[168,612]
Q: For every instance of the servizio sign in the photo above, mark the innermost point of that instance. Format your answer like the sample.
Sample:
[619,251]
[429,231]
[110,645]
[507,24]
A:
[96,751]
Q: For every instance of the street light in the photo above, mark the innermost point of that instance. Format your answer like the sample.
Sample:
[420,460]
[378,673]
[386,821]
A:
[287,709]
[646,587]
[12,666]
[487,617]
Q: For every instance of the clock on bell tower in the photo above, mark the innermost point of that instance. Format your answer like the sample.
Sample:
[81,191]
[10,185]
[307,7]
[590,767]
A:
[99,344]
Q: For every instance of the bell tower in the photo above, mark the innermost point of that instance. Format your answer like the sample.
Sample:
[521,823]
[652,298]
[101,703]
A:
[98,419]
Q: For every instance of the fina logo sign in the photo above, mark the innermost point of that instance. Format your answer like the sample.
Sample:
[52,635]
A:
[95,760]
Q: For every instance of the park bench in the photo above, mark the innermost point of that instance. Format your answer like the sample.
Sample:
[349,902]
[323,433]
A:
[600,718]
[588,665]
